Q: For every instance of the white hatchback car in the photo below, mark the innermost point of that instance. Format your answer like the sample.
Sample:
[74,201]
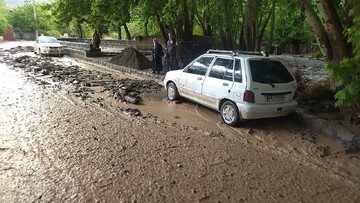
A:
[240,85]
[48,45]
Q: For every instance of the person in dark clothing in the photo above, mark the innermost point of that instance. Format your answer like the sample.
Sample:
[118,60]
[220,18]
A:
[96,39]
[157,54]
[171,52]
[21,35]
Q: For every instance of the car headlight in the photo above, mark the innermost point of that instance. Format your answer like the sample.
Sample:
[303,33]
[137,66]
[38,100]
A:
[44,47]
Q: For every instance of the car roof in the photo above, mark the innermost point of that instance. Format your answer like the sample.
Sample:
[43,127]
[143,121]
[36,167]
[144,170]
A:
[236,54]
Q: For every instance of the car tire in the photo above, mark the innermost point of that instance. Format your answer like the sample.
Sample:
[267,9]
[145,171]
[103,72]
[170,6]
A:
[229,113]
[172,92]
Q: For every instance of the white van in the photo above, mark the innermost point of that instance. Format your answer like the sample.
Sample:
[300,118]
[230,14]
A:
[240,85]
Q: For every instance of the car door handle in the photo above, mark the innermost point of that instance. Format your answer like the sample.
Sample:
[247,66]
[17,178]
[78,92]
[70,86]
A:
[225,84]
[199,78]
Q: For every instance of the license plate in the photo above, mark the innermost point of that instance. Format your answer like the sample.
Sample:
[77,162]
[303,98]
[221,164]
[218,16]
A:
[275,98]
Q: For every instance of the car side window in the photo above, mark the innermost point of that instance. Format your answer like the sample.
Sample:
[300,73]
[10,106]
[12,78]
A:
[238,73]
[200,66]
[222,69]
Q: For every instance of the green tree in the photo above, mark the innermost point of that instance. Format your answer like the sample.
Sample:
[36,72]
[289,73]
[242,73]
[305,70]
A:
[22,18]
[69,12]
[327,27]
[111,12]
[3,17]
[290,25]
[346,74]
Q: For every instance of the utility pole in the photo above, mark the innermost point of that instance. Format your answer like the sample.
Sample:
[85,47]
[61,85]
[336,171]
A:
[36,30]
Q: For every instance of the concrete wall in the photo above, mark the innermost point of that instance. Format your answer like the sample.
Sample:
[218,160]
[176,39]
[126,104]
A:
[27,35]
[84,44]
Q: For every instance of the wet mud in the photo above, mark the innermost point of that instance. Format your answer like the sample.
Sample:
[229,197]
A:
[67,134]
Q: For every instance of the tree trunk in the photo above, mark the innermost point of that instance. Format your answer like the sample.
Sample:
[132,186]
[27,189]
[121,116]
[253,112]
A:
[318,29]
[272,23]
[128,36]
[80,30]
[241,40]
[330,18]
[228,41]
[204,19]
[250,28]
[146,32]
[161,27]
[187,20]
[261,33]
[119,30]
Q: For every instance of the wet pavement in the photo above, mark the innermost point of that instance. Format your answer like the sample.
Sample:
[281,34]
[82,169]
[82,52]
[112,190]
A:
[67,141]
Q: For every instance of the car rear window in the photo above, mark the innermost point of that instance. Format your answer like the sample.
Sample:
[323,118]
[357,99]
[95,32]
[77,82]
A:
[269,72]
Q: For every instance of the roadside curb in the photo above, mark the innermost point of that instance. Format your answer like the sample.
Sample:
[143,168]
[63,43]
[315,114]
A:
[330,129]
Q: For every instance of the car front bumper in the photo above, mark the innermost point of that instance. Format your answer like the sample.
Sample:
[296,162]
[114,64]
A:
[53,51]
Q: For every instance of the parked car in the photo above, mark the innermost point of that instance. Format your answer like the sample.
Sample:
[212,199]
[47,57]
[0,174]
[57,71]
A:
[48,45]
[240,85]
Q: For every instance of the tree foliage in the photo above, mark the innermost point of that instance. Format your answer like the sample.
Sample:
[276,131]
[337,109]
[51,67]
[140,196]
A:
[346,74]
[3,18]
[22,18]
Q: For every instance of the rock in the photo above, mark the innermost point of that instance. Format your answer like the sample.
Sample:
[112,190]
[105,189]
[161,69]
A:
[44,72]
[131,99]
[130,111]
[355,159]
[48,66]
[250,131]
[323,151]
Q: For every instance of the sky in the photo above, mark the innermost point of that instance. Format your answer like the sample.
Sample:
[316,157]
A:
[14,3]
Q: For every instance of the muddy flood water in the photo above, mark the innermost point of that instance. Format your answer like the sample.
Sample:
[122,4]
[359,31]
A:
[70,138]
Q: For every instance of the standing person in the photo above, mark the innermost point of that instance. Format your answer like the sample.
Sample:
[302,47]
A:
[21,35]
[157,54]
[96,39]
[171,46]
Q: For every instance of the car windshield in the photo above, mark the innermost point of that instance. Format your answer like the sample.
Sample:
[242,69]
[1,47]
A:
[48,40]
[266,71]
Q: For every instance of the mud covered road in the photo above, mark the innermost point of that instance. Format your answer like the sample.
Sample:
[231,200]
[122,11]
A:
[79,140]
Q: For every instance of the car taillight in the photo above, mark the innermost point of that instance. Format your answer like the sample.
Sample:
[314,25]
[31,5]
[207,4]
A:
[249,96]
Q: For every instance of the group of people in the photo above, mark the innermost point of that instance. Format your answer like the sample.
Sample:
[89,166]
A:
[169,57]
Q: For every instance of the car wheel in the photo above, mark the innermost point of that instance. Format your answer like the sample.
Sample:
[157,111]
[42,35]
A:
[229,113]
[172,92]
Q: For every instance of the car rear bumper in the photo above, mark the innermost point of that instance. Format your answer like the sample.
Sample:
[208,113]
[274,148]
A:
[256,111]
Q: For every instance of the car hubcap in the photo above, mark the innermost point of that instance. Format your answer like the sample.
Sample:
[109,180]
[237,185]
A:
[228,114]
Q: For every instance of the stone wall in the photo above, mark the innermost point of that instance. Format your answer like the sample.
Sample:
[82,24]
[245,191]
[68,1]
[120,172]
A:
[84,44]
